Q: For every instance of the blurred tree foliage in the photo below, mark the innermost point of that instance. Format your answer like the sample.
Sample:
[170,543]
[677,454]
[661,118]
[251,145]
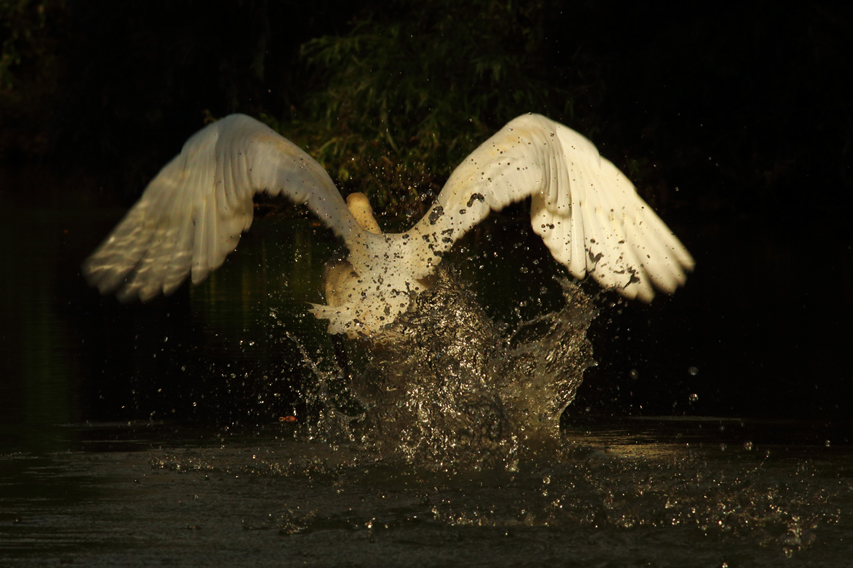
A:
[388,96]
[115,88]
[30,32]
[750,105]
[23,36]
[407,93]
[142,76]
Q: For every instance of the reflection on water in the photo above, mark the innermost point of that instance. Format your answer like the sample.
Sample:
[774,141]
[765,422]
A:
[611,496]
[203,355]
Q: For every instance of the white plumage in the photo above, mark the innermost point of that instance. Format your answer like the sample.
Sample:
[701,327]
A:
[191,215]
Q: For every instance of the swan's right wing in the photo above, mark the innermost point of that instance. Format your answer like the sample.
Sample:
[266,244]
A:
[191,215]
[583,207]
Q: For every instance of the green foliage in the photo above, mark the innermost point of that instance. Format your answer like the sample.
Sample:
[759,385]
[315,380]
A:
[22,25]
[402,98]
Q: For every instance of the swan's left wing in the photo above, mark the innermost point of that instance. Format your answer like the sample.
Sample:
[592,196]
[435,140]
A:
[584,208]
[191,215]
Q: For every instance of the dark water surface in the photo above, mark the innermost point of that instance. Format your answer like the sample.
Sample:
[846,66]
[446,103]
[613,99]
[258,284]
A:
[635,493]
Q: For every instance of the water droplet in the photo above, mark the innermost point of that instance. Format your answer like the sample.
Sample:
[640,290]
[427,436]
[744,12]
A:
[693,371]
[693,397]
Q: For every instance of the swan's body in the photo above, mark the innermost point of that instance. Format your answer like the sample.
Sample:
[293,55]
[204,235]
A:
[191,216]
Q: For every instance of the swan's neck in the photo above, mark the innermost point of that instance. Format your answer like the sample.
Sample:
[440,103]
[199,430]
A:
[360,208]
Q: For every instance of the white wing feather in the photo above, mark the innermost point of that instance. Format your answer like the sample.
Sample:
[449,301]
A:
[585,209]
[191,215]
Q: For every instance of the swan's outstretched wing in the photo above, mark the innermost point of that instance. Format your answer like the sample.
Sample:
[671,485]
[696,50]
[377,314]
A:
[583,207]
[191,215]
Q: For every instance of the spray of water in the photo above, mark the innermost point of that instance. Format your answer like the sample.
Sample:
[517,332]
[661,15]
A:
[446,387]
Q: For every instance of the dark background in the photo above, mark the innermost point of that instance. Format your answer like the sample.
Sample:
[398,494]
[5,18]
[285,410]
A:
[734,123]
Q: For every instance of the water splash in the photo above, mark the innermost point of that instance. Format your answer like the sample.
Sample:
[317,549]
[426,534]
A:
[446,387]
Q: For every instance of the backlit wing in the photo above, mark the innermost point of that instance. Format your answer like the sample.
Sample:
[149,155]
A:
[191,215]
[583,207]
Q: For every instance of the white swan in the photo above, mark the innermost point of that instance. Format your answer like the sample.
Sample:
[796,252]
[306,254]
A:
[191,215]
